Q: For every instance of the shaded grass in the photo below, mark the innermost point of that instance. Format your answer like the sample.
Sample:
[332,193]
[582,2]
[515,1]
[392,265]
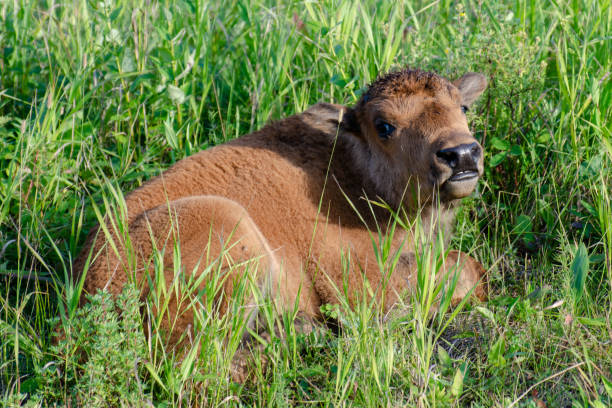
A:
[92,92]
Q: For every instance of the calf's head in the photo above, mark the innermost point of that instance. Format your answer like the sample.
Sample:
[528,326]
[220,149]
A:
[413,125]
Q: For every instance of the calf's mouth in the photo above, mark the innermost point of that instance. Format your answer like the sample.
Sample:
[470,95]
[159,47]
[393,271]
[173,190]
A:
[464,175]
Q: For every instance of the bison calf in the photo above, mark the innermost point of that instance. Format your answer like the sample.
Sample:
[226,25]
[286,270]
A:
[297,195]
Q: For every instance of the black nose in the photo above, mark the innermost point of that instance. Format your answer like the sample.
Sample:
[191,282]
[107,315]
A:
[462,157]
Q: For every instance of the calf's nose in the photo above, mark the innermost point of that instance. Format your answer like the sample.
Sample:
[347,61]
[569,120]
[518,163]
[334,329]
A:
[461,157]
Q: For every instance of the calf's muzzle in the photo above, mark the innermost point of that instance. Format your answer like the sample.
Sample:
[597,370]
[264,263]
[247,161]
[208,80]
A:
[462,159]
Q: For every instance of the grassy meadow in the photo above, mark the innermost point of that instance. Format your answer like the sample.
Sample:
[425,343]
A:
[97,97]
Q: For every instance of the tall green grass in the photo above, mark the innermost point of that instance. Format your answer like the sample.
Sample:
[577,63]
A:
[100,95]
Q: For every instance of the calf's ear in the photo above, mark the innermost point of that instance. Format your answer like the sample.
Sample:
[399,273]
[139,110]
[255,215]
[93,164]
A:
[471,85]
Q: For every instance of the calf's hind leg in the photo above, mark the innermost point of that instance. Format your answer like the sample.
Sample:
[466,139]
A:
[207,229]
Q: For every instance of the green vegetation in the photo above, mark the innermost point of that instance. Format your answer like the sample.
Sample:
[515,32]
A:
[98,96]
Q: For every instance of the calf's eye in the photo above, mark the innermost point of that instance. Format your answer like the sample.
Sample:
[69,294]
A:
[384,129]
[464,109]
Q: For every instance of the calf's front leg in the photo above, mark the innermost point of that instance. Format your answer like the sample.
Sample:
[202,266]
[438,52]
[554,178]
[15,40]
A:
[471,277]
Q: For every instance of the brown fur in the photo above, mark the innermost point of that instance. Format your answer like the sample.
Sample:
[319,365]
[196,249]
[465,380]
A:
[293,194]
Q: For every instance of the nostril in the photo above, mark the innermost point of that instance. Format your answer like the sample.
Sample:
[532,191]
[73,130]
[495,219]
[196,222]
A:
[475,151]
[449,156]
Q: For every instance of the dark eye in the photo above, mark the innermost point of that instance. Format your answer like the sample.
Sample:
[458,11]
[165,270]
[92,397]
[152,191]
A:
[464,109]
[384,129]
